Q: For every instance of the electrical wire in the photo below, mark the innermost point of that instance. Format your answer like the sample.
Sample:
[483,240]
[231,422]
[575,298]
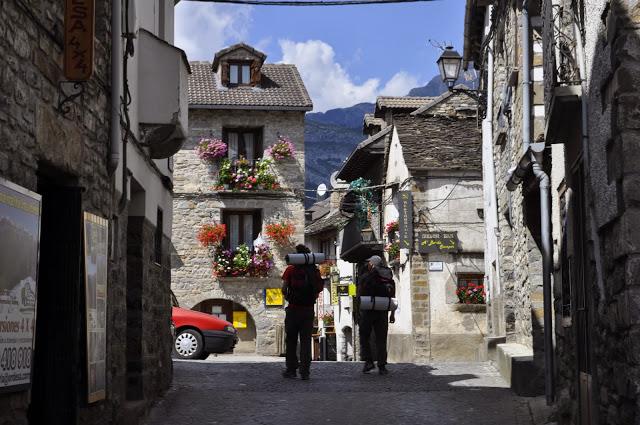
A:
[311,2]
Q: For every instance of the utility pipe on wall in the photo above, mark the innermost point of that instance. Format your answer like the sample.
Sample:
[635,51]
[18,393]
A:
[547,268]
[116,83]
[526,78]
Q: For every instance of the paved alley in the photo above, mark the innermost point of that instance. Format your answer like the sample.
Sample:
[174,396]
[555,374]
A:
[247,391]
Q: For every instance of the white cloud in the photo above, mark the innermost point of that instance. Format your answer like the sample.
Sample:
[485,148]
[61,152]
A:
[203,29]
[327,81]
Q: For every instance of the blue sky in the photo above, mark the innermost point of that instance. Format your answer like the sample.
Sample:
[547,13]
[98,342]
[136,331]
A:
[346,54]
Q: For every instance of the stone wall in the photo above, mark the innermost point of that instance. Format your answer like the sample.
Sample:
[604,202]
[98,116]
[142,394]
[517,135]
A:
[35,139]
[196,203]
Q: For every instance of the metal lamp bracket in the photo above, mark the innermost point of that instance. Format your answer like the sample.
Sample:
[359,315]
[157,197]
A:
[76,89]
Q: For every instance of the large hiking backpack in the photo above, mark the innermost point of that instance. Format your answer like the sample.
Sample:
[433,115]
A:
[382,285]
[302,289]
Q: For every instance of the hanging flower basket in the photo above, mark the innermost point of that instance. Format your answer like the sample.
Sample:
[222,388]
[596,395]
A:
[212,234]
[280,233]
[282,149]
[327,319]
[391,227]
[210,150]
[393,249]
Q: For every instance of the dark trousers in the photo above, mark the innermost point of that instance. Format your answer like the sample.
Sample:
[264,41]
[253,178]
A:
[376,321]
[298,322]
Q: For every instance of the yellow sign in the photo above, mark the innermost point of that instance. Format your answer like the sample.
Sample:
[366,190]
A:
[334,293]
[352,289]
[240,319]
[273,297]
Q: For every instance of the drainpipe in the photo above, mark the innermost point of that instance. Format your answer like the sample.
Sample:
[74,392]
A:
[545,207]
[116,83]
[526,79]
[547,268]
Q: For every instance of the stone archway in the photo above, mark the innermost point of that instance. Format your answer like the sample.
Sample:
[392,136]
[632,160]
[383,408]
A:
[225,309]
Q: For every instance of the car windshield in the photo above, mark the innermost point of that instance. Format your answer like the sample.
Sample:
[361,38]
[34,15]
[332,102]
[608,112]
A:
[174,300]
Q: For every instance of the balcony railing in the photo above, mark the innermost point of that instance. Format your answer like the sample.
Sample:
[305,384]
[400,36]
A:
[567,67]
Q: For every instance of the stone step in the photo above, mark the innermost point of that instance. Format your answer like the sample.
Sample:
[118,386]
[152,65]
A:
[516,365]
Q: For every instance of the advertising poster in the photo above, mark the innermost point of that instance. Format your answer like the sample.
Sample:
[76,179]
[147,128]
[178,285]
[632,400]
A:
[240,319]
[96,231]
[20,230]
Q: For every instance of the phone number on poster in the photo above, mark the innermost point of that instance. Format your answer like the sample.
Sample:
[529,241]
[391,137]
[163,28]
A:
[15,358]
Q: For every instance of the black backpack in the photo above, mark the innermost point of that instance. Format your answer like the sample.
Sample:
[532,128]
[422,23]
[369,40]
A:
[381,284]
[302,288]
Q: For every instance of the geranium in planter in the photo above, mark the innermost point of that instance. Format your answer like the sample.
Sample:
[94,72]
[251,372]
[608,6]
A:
[210,150]
[282,149]
[391,227]
[261,261]
[223,263]
[471,293]
[280,233]
[212,234]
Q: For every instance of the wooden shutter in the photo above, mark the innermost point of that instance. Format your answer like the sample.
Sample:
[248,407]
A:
[224,73]
[255,73]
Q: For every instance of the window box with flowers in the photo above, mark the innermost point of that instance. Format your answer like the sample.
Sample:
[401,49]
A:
[470,293]
[211,150]
[242,174]
[282,149]
[242,262]
[280,233]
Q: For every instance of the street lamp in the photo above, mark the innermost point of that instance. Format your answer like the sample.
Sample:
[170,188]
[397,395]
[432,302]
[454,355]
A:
[449,64]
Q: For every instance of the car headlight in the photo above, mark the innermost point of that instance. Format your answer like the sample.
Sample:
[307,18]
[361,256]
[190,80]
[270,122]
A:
[230,328]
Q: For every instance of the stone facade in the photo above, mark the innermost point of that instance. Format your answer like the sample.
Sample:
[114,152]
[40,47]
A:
[40,149]
[197,203]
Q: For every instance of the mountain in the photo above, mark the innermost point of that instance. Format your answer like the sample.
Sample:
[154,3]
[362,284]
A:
[435,87]
[344,117]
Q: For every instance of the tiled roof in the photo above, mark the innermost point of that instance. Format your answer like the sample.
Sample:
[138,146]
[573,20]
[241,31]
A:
[448,103]
[370,119]
[401,102]
[360,160]
[251,50]
[281,89]
[333,221]
[439,142]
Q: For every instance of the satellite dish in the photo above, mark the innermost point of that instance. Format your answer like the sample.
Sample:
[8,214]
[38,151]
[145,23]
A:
[321,190]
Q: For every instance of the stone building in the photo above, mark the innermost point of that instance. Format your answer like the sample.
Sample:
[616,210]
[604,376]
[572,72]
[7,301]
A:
[82,154]
[428,150]
[583,64]
[249,106]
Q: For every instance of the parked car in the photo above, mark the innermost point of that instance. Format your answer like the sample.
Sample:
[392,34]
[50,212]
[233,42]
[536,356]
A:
[199,334]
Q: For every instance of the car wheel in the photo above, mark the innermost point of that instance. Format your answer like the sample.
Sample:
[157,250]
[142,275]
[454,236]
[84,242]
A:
[188,345]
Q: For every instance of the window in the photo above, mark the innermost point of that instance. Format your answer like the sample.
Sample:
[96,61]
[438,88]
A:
[158,238]
[246,143]
[326,247]
[243,227]
[239,74]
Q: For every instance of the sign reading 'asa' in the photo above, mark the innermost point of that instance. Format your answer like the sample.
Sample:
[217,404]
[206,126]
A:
[79,29]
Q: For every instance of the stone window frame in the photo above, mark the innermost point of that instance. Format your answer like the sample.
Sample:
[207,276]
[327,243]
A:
[257,220]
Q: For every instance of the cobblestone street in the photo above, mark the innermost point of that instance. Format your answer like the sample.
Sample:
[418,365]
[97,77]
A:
[250,390]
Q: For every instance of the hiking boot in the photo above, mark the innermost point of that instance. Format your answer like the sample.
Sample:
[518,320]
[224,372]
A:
[304,376]
[290,374]
[382,370]
[368,366]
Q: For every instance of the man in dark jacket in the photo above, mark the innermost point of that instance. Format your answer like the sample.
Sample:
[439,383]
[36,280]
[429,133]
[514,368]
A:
[301,286]
[377,281]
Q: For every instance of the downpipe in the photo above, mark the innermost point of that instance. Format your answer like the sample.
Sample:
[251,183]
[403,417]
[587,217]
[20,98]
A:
[547,268]
[116,84]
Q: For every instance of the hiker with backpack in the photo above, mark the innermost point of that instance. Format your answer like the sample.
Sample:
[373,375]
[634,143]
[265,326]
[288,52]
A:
[301,286]
[375,286]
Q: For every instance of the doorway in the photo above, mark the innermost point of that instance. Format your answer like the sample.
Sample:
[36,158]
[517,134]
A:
[58,364]
[226,310]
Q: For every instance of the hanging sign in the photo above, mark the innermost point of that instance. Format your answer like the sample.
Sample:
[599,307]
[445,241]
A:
[20,230]
[96,234]
[334,294]
[405,220]
[79,29]
[343,289]
[438,242]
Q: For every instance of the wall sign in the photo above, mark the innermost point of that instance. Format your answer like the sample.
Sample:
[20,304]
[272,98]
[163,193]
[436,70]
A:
[436,266]
[79,29]
[96,236]
[405,220]
[20,230]
[438,242]
[273,297]
[240,319]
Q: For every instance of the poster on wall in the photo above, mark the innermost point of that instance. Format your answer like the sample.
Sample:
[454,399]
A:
[240,319]
[20,229]
[96,231]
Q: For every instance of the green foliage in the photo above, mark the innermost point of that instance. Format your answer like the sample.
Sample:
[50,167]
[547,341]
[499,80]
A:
[242,259]
[365,206]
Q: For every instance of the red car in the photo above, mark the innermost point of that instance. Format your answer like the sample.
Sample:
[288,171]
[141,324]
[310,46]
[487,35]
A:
[199,334]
